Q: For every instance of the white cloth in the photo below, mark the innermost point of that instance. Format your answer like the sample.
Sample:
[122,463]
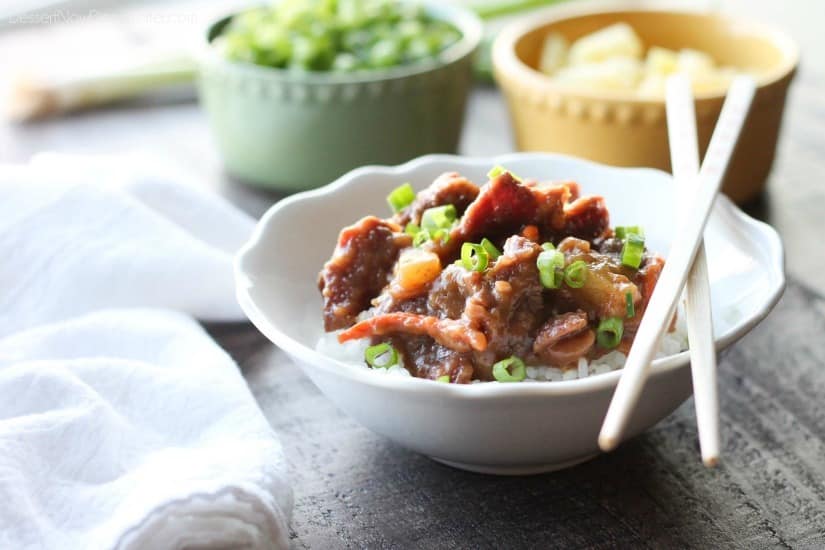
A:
[84,233]
[123,426]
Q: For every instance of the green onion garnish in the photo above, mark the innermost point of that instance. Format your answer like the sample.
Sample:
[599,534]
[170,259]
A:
[548,246]
[421,237]
[438,217]
[511,369]
[575,274]
[412,229]
[381,356]
[401,197]
[441,235]
[496,171]
[490,248]
[632,251]
[474,257]
[551,268]
[445,379]
[631,309]
[609,333]
[622,231]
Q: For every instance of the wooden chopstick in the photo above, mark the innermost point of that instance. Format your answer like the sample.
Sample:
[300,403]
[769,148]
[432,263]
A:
[684,157]
[680,259]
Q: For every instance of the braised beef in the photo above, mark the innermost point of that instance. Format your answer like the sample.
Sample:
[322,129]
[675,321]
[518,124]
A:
[450,333]
[448,188]
[359,268]
[425,358]
[457,322]
[510,307]
[564,338]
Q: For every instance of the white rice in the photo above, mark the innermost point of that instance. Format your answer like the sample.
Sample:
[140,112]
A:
[352,352]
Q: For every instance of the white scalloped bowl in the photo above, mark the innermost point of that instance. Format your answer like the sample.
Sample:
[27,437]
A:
[492,427]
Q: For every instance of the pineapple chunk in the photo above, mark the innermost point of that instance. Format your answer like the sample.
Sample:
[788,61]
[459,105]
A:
[618,40]
[715,82]
[553,53]
[618,74]
[695,64]
[416,268]
[653,86]
[661,61]
[612,59]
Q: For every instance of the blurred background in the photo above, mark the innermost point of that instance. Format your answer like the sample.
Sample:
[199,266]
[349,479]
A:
[58,39]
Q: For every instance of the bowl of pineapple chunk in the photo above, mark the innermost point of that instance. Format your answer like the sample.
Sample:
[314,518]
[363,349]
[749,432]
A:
[592,84]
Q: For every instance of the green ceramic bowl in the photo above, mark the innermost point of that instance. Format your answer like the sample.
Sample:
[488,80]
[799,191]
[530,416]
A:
[290,132]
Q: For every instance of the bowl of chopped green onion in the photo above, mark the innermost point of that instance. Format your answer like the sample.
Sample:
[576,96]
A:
[299,92]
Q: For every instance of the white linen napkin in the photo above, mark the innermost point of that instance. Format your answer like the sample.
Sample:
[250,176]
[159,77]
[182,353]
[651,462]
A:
[84,233]
[123,426]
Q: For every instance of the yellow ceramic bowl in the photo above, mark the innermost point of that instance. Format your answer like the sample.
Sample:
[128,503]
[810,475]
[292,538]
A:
[622,129]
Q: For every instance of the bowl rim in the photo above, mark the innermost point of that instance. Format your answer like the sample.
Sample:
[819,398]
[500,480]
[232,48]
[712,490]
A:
[465,20]
[306,355]
[508,63]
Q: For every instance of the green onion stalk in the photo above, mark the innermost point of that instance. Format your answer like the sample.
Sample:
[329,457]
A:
[34,97]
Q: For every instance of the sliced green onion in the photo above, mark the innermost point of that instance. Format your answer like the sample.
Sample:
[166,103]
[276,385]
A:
[490,248]
[401,197]
[548,246]
[631,309]
[412,229]
[442,235]
[575,274]
[511,369]
[336,35]
[622,231]
[496,171]
[421,237]
[632,251]
[551,268]
[474,257]
[445,379]
[381,356]
[438,217]
[609,333]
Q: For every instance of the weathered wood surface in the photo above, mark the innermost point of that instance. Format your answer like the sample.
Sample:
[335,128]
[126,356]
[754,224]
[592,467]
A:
[354,488]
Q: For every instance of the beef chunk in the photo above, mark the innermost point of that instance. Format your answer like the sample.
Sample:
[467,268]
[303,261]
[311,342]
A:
[448,188]
[359,268]
[564,338]
[505,206]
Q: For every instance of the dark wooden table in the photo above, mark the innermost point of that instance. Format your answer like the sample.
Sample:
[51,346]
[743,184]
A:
[356,489]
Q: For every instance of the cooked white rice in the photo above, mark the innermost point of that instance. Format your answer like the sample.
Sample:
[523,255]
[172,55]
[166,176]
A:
[353,352]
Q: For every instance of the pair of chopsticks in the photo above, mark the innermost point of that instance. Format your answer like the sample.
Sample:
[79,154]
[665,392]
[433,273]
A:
[696,188]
